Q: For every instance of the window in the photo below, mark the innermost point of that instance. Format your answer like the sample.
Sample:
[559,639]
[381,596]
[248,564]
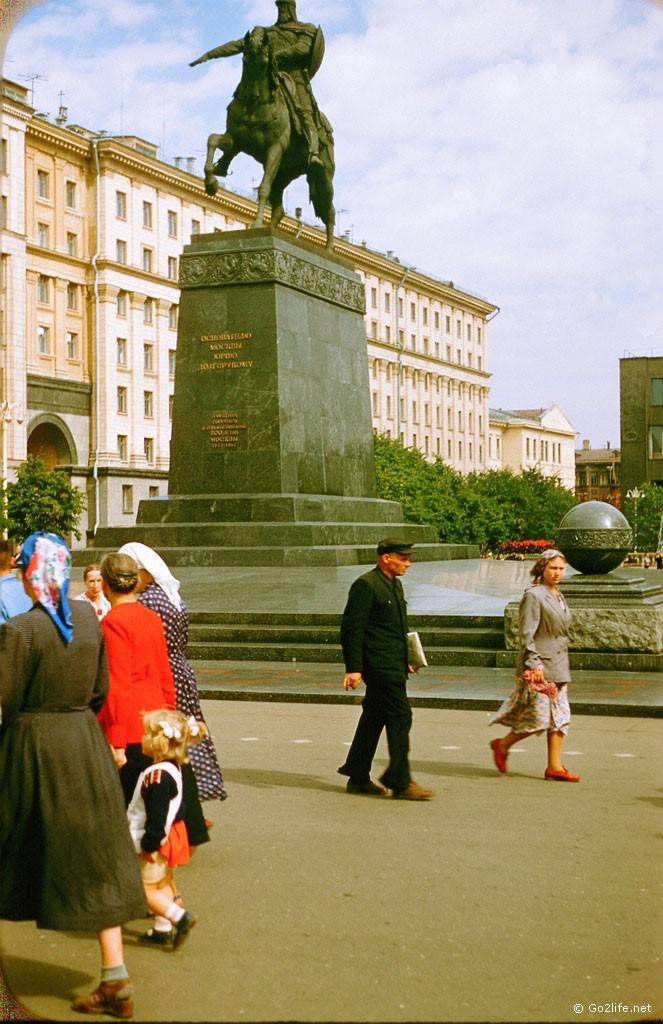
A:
[424,314]
[127,499]
[147,260]
[70,194]
[448,353]
[469,332]
[478,335]
[122,400]
[479,363]
[43,289]
[376,404]
[43,340]
[43,233]
[171,402]
[72,296]
[3,156]
[400,306]
[121,205]
[437,320]
[148,404]
[195,227]
[172,318]
[148,449]
[147,215]
[413,311]
[3,212]
[43,185]
[153,492]
[656,442]
[413,341]
[121,304]
[447,324]
[458,329]
[121,351]
[121,251]
[387,302]
[657,391]
[148,358]
[172,268]
[389,412]
[374,328]
[459,356]
[374,298]
[72,244]
[72,345]
[172,224]
[387,333]
[172,357]
[122,447]
[148,311]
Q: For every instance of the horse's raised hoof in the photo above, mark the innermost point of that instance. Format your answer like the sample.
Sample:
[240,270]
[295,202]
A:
[211,186]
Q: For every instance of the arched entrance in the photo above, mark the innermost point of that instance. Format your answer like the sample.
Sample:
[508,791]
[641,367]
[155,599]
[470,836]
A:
[50,440]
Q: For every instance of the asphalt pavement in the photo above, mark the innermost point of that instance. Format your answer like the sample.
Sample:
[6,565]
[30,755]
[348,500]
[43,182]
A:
[505,898]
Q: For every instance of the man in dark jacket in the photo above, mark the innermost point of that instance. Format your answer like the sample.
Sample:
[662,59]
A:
[374,641]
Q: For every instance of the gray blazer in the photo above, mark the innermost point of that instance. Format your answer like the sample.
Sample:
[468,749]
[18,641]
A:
[543,626]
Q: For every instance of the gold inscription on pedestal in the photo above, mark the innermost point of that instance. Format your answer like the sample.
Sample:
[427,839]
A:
[227,351]
[224,430]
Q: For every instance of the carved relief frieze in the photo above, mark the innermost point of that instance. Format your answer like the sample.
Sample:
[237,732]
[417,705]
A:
[199,270]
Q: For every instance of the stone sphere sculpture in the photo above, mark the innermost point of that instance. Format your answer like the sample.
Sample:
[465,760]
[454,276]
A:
[594,537]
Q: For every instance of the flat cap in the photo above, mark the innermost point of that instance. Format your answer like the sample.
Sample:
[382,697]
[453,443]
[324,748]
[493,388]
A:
[393,545]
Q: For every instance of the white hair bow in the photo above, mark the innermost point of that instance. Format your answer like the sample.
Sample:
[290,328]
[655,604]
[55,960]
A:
[171,732]
[193,726]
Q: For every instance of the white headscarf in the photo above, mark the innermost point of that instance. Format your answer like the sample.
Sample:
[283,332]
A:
[153,563]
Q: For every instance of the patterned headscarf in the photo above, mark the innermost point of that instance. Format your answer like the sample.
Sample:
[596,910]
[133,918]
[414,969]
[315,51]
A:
[151,562]
[45,561]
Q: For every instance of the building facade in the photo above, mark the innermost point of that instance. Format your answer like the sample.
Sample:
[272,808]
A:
[541,439]
[598,474]
[641,421]
[90,237]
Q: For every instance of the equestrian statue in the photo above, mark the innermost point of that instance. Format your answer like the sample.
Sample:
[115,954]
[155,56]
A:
[274,117]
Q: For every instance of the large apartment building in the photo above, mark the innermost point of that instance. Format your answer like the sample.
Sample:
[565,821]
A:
[91,230]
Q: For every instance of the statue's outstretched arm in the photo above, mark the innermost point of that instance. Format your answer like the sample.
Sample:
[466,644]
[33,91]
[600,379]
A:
[227,50]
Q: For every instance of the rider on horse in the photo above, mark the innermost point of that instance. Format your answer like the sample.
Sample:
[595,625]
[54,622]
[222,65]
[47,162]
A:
[298,49]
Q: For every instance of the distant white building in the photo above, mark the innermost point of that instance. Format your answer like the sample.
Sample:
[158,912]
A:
[541,439]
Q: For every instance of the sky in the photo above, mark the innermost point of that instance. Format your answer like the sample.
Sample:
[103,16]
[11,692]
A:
[513,147]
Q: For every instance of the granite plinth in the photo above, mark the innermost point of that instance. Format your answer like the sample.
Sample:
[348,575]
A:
[615,613]
[271,459]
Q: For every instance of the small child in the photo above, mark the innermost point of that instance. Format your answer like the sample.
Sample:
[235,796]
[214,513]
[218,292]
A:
[156,822]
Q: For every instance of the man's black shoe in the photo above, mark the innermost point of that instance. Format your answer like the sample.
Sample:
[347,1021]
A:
[369,788]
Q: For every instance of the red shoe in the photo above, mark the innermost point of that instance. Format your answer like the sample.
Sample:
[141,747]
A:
[499,756]
[562,775]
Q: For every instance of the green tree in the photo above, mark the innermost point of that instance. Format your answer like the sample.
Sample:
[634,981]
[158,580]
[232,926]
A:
[41,499]
[487,508]
[649,517]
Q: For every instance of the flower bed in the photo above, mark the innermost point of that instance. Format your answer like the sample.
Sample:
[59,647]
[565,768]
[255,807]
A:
[520,548]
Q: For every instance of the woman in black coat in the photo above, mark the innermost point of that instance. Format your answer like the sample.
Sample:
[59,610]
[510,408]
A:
[66,854]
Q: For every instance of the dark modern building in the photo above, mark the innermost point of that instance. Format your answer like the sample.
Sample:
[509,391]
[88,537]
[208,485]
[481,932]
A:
[641,415]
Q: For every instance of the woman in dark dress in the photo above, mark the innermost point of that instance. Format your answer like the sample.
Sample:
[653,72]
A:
[65,850]
[160,593]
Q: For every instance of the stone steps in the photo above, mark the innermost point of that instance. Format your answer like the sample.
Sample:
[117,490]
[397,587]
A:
[447,640]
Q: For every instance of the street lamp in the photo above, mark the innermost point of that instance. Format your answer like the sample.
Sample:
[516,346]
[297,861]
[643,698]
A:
[635,494]
[9,413]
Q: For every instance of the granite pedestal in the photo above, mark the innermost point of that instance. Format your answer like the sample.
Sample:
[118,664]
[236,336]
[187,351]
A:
[617,621]
[271,459]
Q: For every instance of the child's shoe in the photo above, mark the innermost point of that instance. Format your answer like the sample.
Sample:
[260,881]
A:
[154,938]
[182,928]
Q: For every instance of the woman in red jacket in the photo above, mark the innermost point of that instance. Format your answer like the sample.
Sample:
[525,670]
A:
[138,666]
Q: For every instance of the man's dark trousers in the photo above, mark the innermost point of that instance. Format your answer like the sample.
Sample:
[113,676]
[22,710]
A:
[385,706]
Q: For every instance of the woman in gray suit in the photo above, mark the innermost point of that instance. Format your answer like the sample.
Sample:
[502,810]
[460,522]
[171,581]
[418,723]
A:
[539,702]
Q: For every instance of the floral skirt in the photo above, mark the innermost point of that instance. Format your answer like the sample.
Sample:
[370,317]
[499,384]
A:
[524,710]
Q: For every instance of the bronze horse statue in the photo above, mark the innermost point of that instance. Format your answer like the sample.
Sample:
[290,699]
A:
[262,122]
